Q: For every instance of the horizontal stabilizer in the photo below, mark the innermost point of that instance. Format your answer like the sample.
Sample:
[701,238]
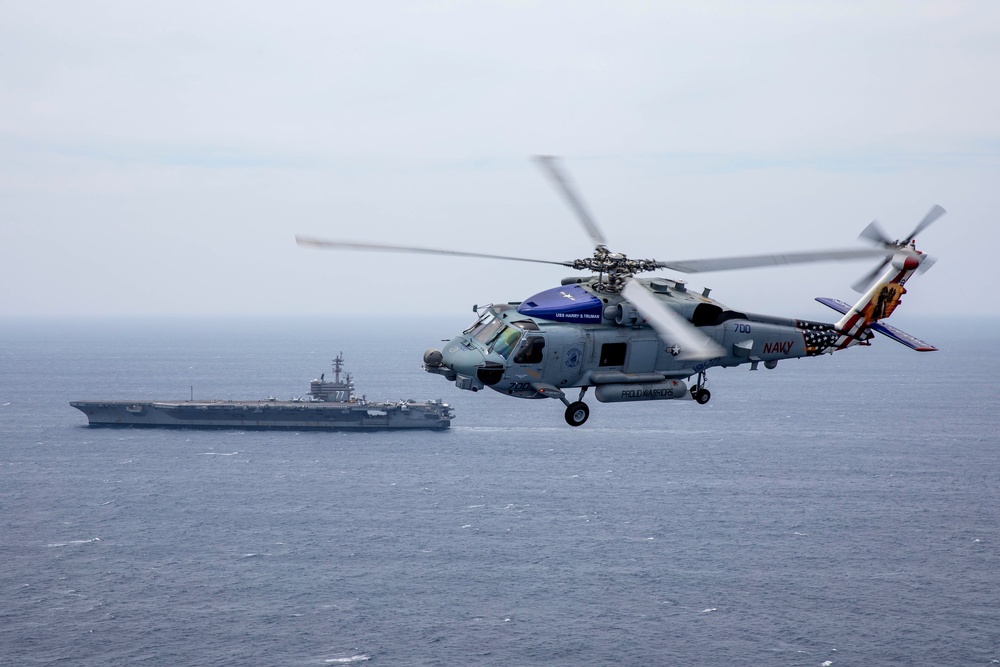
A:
[840,306]
[906,339]
[897,335]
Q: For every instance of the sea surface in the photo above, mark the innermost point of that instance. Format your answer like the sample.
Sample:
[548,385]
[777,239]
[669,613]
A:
[836,511]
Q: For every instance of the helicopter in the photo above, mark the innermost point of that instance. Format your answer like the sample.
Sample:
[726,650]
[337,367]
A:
[639,339]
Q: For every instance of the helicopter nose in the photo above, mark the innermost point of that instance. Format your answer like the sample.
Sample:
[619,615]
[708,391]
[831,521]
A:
[463,361]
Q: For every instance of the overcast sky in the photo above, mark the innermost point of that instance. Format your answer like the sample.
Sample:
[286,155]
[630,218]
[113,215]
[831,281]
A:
[159,158]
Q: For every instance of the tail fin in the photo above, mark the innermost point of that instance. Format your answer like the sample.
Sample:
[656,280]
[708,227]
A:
[878,303]
[901,261]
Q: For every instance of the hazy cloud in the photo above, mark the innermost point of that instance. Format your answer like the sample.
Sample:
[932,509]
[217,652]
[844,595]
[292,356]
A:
[161,158]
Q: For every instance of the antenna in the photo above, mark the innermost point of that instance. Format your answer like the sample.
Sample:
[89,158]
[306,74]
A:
[338,363]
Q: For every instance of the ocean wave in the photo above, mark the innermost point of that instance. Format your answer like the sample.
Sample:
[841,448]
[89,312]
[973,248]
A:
[344,661]
[74,542]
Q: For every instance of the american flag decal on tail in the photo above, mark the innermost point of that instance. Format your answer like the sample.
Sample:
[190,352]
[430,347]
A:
[897,335]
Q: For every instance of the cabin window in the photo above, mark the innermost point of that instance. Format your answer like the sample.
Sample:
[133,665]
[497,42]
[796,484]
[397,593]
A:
[613,354]
[530,351]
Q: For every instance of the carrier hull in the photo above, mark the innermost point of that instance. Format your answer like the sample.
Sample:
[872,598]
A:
[333,406]
[282,415]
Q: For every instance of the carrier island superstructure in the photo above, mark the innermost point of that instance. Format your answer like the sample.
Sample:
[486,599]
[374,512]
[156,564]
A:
[332,406]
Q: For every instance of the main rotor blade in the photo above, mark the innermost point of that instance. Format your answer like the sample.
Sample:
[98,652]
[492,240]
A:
[670,326]
[382,247]
[861,285]
[932,215]
[754,261]
[874,233]
[563,184]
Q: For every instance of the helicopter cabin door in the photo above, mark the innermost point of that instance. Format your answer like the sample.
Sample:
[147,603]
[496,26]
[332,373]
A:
[567,356]
[641,357]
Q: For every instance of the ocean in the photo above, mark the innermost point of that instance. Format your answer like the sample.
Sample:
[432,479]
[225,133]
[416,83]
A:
[831,512]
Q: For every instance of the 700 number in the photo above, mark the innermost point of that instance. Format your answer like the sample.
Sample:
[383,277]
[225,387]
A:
[741,328]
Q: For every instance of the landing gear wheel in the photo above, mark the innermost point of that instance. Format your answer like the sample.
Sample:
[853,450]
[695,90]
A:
[698,391]
[577,413]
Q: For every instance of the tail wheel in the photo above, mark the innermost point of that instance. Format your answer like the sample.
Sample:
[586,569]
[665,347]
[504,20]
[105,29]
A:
[577,413]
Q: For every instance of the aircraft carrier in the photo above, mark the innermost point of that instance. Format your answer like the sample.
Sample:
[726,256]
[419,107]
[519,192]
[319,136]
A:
[331,406]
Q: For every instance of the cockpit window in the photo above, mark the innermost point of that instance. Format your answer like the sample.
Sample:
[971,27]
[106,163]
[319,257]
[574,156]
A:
[506,341]
[485,333]
[484,319]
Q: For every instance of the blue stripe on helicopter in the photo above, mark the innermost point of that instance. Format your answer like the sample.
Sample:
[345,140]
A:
[569,303]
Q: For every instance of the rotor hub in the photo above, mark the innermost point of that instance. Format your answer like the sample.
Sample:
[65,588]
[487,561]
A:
[614,269]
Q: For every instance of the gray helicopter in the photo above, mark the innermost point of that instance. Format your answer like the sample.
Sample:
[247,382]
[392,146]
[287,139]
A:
[635,339]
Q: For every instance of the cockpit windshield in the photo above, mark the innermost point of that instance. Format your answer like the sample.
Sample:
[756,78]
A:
[486,331]
[495,335]
[485,318]
[506,341]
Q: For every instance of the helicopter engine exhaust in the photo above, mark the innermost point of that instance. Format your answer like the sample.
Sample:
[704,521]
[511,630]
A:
[646,391]
[625,314]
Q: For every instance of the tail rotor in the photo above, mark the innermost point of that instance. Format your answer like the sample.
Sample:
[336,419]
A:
[875,235]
